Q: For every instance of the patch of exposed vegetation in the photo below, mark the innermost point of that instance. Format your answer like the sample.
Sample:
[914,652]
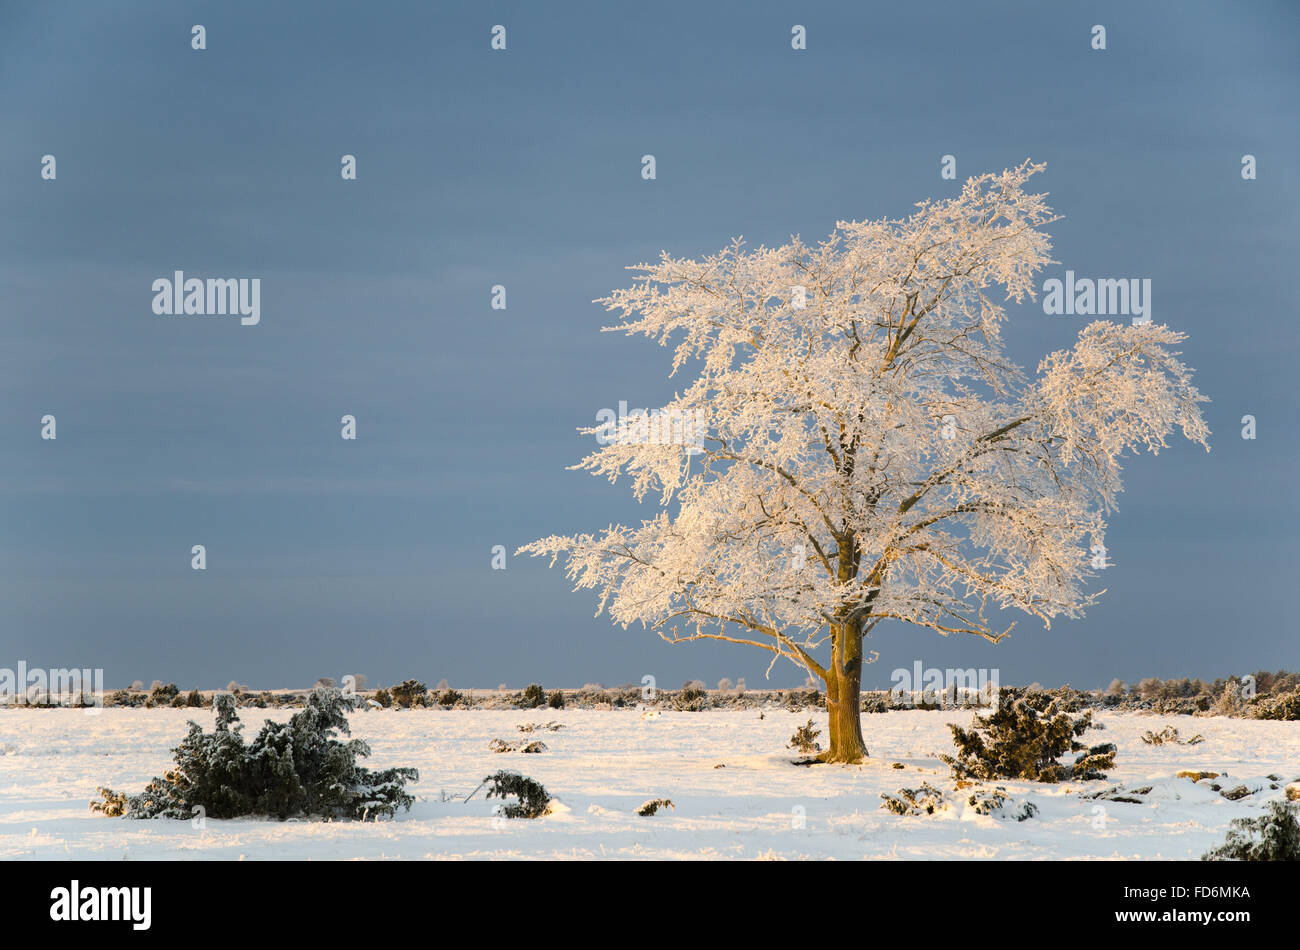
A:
[925,800]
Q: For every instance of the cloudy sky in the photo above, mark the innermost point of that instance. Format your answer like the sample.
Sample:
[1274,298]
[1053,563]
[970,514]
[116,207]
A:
[522,168]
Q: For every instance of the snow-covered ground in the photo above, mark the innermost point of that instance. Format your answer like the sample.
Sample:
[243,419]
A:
[604,764]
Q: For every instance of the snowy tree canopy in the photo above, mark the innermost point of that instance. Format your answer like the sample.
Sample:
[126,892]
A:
[871,453]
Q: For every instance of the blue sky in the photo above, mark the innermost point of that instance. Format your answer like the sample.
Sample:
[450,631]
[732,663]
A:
[522,168]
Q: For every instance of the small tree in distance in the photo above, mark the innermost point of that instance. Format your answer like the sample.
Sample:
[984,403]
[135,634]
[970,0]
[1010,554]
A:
[871,453]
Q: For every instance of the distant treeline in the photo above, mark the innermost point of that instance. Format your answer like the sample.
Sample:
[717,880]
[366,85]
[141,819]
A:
[1261,695]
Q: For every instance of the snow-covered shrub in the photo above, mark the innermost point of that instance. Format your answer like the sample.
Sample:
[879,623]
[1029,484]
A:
[290,769]
[384,698]
[556,700]
[805,739]
[1284,706]
[925,800]
[873,703]
[1170,736]
[1278,834]
[530,727]
[1023,738]
[533,799]
[1231,700]
[803,699]
[162,694]
[993,802]
[533,697]
[449,697]
[652,806]
[194,700]
[591,694]
[114,804]
[692,697]
[626,695]
[408,693]
[502,745]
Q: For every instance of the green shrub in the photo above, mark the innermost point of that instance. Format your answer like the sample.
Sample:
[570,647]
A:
[925,800]
[556,700]
[1023,738]
[533,799]
[290,769]
[805,739]
[162,695]
[534,696]
[1278,834]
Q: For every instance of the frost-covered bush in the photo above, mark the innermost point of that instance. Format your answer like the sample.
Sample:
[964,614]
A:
[290,769]
[873,703]
[592,694]
[449,697]
[408,693]
[556,700]
[1023,738]
[533,799]
[993,802]
[1273,836]
[162,695]
[805,739]
[1170,736]
[1284,706]
[384,698]
[534,696]
[531,748]
[925,800]
[194,700]
[652,806]
[692,697]
[530,727]
[803,698]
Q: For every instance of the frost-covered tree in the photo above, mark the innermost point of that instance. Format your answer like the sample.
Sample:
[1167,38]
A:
[870,451]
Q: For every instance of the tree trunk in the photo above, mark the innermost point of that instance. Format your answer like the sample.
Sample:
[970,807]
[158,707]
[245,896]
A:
[843,697]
